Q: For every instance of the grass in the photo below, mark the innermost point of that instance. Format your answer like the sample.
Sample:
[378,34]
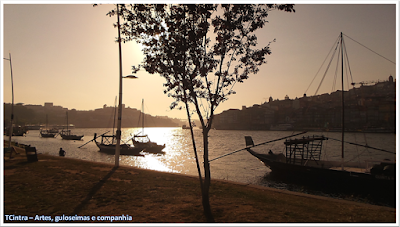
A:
[56,186]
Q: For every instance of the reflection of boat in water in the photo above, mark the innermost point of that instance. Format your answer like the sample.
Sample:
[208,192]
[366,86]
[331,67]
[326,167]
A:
[108,144]
[142,141]
[66,134]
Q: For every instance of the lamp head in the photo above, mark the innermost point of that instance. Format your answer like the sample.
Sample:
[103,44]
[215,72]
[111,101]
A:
[130,77]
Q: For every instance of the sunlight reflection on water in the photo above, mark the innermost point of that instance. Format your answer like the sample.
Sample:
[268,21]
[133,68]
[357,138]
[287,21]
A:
[179,157]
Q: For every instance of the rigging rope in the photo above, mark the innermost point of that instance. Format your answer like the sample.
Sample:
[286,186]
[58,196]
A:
[364,146]
[370,49]
[348,65]
[326,71]
[322,65]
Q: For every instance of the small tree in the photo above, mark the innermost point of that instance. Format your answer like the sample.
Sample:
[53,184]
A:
[202,51]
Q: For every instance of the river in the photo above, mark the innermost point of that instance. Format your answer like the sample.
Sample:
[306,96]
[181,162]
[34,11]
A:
[239,167]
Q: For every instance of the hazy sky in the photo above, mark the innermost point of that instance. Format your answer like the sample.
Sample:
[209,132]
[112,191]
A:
[67,54]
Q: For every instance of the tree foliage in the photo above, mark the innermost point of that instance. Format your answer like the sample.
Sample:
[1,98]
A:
[202,51]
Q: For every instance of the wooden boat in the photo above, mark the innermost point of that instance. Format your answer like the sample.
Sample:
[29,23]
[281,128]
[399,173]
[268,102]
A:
[17,131]
[108,144]
[66,134]
[302,159]
[46,133]
[302,163]
[142,141]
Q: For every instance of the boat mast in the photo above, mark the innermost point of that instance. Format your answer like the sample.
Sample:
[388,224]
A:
[67,121]
[142,116]
[341,46]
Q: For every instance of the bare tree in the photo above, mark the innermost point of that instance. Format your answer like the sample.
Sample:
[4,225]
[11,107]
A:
[202,51]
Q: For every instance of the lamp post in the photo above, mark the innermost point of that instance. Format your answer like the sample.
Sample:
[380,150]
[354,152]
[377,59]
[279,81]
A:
[12,105]
[118,135]
[118,145]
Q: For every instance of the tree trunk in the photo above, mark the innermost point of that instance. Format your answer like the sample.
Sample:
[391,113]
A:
[207,179]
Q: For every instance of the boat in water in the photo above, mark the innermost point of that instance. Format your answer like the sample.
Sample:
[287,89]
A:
[142,141]
[67,135]
[301,162]
[47,133]
[17,131]
[108,145]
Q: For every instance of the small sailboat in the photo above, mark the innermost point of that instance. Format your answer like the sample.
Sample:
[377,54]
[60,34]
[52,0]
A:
[66,134]
[46,133]
[142,141]
[108,144]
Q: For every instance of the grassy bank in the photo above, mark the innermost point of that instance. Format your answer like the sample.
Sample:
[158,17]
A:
[56,186]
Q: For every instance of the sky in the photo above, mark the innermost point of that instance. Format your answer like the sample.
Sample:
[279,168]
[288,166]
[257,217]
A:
[66,54]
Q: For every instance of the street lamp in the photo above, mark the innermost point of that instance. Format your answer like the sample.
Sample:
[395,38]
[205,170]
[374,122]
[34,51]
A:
[12,105]
[118,145]
[118,135]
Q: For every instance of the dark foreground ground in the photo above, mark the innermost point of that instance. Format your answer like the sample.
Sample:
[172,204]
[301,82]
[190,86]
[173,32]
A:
[58,188]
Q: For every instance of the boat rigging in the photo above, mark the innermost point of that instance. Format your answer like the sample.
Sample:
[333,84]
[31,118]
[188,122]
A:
[302,158]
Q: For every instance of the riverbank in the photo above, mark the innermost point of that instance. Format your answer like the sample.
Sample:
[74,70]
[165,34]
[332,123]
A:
[57,186]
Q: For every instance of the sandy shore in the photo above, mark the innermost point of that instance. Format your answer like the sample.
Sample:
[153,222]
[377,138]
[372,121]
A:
[76,191]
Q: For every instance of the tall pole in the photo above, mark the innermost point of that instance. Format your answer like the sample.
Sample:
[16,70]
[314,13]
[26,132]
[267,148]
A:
[12,104]
[341,45]
[118,146]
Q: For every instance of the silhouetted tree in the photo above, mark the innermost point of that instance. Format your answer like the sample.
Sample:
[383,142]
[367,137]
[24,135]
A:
[202,51]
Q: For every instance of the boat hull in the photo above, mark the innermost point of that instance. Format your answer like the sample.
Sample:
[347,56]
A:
[143,143]
[325,176]
[71,137]
[48,135]
[124,149]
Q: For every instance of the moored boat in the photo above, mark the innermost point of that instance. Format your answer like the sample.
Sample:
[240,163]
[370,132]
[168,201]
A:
[66,134]
[302,163]
[108,145]
[142,141]
[47,134]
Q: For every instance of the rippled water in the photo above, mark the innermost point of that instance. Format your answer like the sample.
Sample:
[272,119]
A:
[179,157]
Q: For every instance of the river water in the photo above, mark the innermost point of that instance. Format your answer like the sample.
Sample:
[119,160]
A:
[239,167]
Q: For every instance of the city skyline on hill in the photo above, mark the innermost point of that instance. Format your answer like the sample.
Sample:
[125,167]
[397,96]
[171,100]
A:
[71,57]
